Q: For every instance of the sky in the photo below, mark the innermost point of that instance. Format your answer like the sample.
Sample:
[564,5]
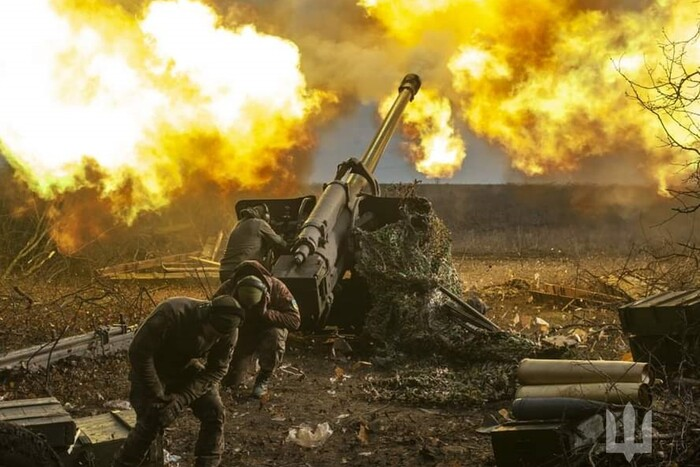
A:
[349,136]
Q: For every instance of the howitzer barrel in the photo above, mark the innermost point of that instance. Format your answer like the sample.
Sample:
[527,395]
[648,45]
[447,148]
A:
[407,91]
[323,249]
[352,177]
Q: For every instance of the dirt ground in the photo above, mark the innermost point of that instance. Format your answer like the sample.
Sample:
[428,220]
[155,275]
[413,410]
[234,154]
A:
[312,387]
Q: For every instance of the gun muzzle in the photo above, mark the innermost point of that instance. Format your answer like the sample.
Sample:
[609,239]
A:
[410,82]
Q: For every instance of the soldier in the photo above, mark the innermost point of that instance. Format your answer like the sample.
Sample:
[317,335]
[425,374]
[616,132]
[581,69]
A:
[178,356]
[251,239]
[271,312]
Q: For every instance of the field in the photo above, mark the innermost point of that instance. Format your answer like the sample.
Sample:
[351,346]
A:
[500,257]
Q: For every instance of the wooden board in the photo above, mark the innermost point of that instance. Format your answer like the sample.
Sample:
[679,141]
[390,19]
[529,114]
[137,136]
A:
[45,416]
[102,435]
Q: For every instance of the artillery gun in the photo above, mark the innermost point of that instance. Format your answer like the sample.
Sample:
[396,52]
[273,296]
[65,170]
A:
[319,268]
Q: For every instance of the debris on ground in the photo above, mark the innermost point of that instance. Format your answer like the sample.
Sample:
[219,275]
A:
[103,341]
[306,436]
[190,265]
[632,286]
[571,295]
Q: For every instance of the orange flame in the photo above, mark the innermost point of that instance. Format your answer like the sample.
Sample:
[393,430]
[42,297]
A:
[92,96]
[120,102]
[438,150]
[542,78]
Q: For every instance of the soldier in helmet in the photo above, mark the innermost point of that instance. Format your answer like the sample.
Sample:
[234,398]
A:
[251,239]
[271,312]
[178,356]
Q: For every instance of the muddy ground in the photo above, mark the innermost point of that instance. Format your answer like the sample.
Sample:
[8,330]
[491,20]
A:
[312,387]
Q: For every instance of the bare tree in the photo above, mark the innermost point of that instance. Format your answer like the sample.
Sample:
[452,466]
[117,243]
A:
[672,94]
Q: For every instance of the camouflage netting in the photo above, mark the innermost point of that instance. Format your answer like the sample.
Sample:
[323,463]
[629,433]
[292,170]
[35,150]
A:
[403,263]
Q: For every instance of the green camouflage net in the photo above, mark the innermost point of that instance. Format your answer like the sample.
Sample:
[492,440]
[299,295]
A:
[403,263]
[451,385]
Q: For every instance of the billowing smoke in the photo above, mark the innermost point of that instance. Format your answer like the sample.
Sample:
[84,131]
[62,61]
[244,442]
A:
[143,101]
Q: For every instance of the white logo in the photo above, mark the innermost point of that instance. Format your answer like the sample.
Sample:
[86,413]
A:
[629,447]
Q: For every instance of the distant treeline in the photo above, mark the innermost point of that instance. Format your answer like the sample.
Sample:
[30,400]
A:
[519,219]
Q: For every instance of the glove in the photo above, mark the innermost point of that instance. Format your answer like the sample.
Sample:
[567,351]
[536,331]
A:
[159,401]
[167,413]
[193,368]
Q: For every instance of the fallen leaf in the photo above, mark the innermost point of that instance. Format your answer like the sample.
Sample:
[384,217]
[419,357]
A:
[363,434]
[543,325]
[525,321]
[561,341]
[580,334]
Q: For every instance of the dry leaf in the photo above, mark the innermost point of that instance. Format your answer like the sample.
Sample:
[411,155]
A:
[543,325]
[580,334]
[525,321]
[363,434]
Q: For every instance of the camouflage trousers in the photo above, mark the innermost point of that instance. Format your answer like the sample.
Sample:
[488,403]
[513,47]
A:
[210,442]
[268,344]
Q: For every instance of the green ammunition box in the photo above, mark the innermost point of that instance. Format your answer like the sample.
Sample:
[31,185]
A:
[666,354]
[100,437]
[668,313]
[664,330]
[45,416]
[545,443]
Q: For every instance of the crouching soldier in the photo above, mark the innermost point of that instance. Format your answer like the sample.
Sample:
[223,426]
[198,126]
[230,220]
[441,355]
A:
[271,312]
[251,239]
[178,356]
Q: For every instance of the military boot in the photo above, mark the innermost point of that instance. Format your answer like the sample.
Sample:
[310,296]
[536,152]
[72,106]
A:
[261,384]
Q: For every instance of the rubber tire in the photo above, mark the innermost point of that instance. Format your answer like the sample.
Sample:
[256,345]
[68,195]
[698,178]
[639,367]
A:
[20,447]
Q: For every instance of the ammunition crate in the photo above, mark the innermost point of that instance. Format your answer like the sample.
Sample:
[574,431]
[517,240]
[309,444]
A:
[100,437]
[668,313]
[45,416]
[545,443]
[666,354]
[664,330]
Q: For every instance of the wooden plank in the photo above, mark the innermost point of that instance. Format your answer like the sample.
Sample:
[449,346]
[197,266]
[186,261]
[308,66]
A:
[102,428]
[554,292]
[29,402]
[162,275]
[194,267]
[127,417]
[144,264]
[206,261]
[633,286]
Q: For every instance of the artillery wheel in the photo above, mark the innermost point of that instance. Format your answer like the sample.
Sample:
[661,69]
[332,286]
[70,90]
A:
[20,447]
